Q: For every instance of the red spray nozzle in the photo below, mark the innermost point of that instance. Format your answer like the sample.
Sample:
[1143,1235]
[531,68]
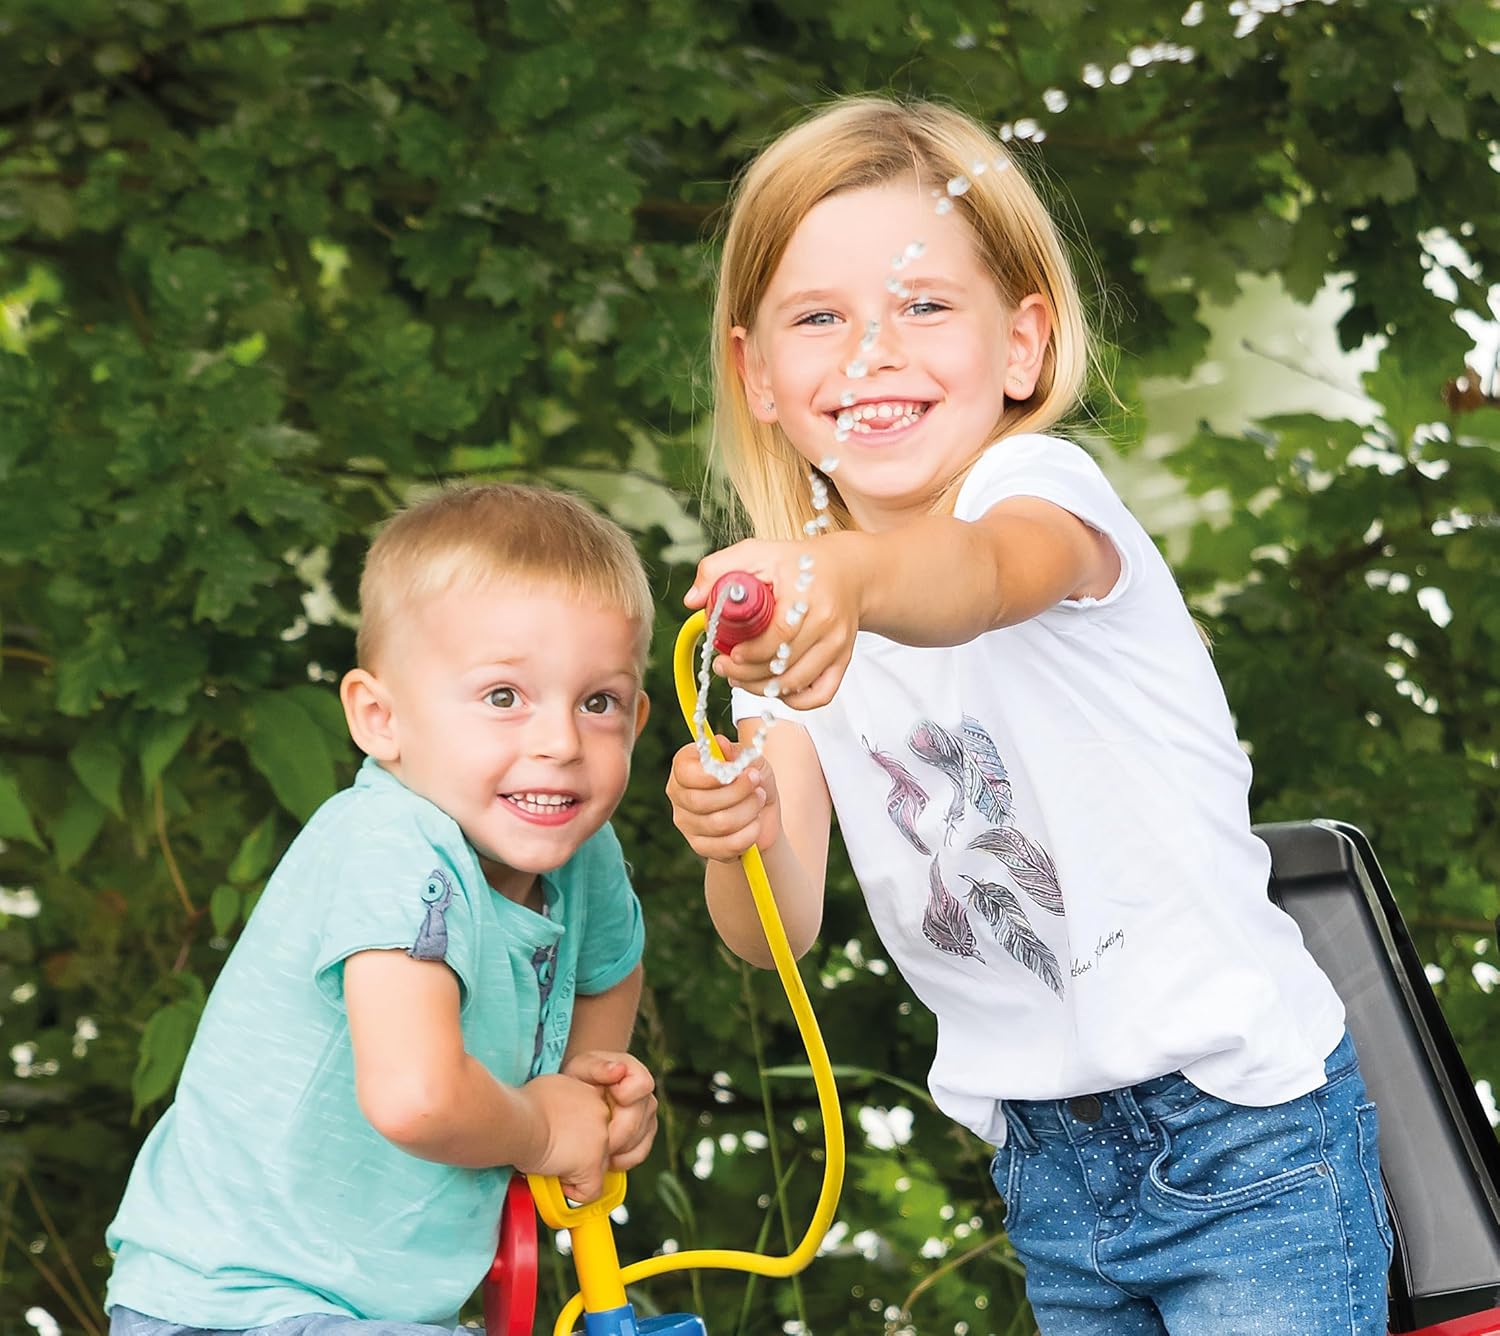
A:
[747,611]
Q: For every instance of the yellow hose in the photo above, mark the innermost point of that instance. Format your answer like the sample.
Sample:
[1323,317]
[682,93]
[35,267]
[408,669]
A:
[728,1259]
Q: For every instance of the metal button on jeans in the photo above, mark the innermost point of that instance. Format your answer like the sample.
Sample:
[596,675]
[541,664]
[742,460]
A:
[1086,1108]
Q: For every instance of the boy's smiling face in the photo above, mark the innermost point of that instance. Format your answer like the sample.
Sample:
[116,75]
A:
[514,708]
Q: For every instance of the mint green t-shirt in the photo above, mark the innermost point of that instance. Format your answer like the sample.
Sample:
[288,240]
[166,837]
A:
[263,1192]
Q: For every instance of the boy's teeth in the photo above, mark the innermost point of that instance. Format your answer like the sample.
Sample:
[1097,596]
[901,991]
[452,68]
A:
[542,799]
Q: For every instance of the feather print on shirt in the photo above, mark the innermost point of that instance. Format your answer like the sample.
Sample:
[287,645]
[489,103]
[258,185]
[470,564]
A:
[985,776]
[938,747]
[1029,864]
[906,800]
[945,924]
[1002,911]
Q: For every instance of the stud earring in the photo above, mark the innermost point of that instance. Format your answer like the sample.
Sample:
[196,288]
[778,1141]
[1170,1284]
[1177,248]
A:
[769,405]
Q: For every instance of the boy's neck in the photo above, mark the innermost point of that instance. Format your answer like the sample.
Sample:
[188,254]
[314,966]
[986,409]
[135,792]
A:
[504,881]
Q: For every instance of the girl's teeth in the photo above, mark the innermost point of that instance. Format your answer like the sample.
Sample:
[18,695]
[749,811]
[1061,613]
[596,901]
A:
[895,414]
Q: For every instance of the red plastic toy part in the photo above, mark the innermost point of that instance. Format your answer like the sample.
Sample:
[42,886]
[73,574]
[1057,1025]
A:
[747,613]
[1476,1324]
[510,1286]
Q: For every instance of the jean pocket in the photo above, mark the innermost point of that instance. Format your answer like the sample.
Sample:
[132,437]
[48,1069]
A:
[1367,1125]
[1005,1171]
[1231,1156]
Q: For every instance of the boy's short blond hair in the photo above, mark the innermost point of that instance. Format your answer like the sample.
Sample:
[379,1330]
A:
[489,533]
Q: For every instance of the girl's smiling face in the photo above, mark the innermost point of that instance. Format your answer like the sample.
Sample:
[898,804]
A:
[948,355]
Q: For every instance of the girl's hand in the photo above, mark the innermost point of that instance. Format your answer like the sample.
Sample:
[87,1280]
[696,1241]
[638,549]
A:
[632,1102]
[721,821]
[821,641]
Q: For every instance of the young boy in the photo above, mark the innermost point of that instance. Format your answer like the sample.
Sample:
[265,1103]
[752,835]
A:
[397,1028]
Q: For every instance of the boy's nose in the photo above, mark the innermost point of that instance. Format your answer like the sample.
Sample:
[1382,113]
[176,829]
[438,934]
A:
[554,735]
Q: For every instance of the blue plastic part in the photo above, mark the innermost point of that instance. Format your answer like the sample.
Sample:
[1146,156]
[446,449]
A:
[621,1322]
[611,1322]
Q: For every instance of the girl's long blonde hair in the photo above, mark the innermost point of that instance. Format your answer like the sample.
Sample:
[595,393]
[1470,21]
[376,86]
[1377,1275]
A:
[857,143]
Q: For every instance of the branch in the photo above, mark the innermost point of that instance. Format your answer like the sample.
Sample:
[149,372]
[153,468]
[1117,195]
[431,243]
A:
[159,808]
[932,1278]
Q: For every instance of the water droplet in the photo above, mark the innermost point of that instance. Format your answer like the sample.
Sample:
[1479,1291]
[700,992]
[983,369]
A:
[804,581]
[778,666]
[893,284]
[978,167]
[805,562]
[1002,164]
[945,206]
[846,399]
[899,262]
[823,522]
[830,462]
[841,435]
[915,250]
[810,528]
[783,650]
[844,421]
[857,370]
[772,691]
[959,185]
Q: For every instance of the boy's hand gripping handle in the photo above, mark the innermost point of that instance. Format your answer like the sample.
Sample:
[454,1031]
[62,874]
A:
[747,611]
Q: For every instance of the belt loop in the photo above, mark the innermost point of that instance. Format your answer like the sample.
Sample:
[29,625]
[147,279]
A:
[1015,1128]
[1140,1128]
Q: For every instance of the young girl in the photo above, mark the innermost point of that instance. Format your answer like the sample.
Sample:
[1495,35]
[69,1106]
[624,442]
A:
[995,682]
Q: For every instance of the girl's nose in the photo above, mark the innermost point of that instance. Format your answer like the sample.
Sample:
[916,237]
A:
[880,346]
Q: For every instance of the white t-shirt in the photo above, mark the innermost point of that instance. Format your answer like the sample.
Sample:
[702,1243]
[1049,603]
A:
[1051,829]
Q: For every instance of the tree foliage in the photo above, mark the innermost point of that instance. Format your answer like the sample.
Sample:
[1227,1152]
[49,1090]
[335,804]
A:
[269,265]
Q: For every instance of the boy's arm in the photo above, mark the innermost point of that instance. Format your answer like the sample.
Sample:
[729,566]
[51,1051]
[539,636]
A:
[796,862]
[422,1091]
[604,1021]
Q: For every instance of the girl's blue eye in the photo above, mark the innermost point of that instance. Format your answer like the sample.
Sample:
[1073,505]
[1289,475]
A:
[601,702]
[818,318]
[502,698]
[926,308]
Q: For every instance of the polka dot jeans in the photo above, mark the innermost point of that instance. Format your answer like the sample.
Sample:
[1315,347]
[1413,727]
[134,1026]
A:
[1159,1209]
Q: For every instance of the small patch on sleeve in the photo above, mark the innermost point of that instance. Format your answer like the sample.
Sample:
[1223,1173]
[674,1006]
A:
[432,936]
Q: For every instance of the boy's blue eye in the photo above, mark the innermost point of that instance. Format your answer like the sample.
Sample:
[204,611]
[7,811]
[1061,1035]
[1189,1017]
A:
[502,698]
[601,702]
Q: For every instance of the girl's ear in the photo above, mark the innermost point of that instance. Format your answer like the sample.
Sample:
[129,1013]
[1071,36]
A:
[367,709]
[747,362]
[1030,333]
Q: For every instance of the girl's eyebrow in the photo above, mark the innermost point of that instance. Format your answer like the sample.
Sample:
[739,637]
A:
[808,296]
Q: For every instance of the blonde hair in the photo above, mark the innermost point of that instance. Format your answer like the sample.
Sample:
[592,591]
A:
[478,535]
[856,143]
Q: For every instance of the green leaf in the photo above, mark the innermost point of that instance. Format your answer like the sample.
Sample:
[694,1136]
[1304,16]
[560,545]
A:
[99,763]
[164,1046]
[254,854]
[290,748]
[162,739]
[76,828]
[15,818]
[224,907]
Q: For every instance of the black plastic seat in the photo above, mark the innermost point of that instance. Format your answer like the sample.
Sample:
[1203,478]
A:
[1440,1159]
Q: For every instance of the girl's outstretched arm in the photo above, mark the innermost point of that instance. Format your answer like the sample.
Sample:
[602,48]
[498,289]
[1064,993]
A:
[931,581]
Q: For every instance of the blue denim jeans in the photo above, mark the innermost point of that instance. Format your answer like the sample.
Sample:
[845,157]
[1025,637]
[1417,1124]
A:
[127,1322]
[1160,1209]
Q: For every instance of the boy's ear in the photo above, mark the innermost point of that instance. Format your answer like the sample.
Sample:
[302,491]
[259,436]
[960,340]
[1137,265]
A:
[642,711]
[752,376]
[367,709]
[1030,334]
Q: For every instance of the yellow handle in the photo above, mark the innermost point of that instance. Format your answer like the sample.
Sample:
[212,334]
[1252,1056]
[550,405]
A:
[822,1071]
[594,1255]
